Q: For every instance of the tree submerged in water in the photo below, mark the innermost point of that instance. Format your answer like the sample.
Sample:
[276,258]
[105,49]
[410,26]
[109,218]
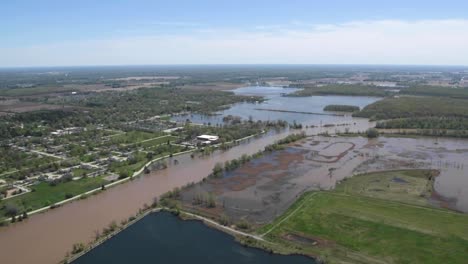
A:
[372,133]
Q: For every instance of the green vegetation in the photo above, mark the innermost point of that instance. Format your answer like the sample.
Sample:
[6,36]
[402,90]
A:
[359,223]
[406,186]
[138,159]
[405,107]
[219,168]
[341,89]
[341,108]
[372,133]
[280,144]
[111,107]
[34,91]
[13,160]
[134,137]
[45,194]
[454,123]
[229,132]
[437,91]
[80,172]
[158,141]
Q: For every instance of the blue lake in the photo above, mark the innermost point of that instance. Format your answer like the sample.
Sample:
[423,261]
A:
[275,100]
[164,238]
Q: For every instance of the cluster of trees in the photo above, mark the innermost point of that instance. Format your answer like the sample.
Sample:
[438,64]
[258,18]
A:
[342,89]
[295,125]
[111,108]
[226,133]
[143,103]
[437,133]
[341,108]
[278,145]
[14,159]
[372,133]
[206,199]
[40,123]
[436,91]
[219,169]
[452,123]
[13,211]
[411,107]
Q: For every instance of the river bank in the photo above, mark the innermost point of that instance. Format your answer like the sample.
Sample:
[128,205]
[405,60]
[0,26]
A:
[155,230]
[48,236]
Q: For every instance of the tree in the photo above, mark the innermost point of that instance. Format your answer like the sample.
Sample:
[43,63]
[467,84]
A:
[211,201]
[11,210]
[218,170]
[372,133]
[123,174]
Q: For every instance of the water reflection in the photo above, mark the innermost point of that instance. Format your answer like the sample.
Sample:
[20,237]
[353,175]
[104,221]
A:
[276,101]
[163,238]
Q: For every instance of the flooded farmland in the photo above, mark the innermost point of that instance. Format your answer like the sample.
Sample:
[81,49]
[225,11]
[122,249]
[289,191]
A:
[162,237]
[48,236]
[316,163]
[265,187]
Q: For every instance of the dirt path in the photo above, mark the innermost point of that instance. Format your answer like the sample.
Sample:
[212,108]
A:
[226,228]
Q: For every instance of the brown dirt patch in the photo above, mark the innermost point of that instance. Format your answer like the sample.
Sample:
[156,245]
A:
[307,239]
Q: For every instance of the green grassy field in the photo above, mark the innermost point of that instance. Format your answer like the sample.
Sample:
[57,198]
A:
[407,186]
[78,172]
[34,90]
[158,140]
[352,226]
[141,159]
[134,137]
[44,194]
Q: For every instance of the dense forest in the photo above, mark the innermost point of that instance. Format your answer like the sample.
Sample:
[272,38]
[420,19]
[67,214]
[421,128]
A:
[455,123]
[341,108]
[436,91]
[341,89]
[410,107]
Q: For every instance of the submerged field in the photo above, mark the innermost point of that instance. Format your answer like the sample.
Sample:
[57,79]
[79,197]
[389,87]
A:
[350,224]
[263,188]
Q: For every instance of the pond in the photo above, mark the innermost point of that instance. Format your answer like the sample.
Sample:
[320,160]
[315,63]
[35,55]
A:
[164,238]
[275,100]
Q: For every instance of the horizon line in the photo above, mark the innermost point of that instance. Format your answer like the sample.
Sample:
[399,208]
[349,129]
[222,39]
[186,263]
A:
[229,64]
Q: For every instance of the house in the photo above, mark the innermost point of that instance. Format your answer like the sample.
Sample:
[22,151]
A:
[207,139]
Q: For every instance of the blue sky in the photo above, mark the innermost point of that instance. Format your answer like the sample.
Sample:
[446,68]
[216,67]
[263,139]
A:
[107,32]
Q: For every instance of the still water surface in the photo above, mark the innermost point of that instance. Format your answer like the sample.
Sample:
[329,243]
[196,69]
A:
[164,238]
[275,100]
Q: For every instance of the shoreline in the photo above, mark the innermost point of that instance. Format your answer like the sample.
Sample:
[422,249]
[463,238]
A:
[238,235]
[121,181]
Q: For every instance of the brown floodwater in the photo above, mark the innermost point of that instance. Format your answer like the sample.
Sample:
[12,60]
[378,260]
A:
[46,237]
[265,188]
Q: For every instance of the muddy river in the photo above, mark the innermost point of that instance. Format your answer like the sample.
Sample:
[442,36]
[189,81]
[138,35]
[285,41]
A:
[46,237]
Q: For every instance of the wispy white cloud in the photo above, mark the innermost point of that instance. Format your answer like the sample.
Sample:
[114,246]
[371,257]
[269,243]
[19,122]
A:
[440,42]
